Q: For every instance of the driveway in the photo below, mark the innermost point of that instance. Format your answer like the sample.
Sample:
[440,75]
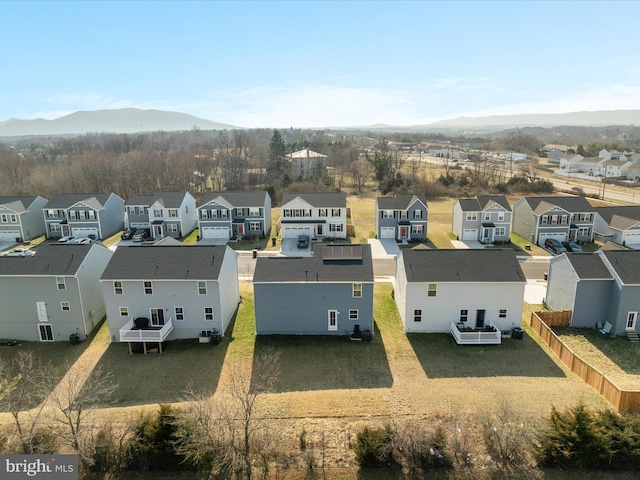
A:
[6,245]
[467,244]
[535,291]
[213,241]
[289,248]
[384,249]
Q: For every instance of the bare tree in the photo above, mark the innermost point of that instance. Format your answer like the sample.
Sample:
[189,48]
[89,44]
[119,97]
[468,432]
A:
[360,174]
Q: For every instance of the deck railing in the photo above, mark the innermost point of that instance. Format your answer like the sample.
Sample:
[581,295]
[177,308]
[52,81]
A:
[151,334]
[476,337]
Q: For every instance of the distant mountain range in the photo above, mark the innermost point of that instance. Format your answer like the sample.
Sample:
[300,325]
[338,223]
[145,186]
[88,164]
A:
[133,120]
[125,120]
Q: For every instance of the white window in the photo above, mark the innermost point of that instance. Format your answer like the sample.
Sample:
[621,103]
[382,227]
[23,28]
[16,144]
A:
[157,213]
[179,313]
[4,218]
[253,226]
[415,229]
[91,214]
[172,227]
[404,214]
[472,216]
[322,212]
[14,218]
[464,315]
[357,290]
[239,212]
[82,215]
[46,332]
[335,227]
[54,227]
[173,213]
[202,288]
[387,213]
[554,219]
[544,220]
[254,211]
[417,214]
[117,287]
[501,231]
[60,281]
[565,219]
[503,313]
[124,311]
[584,231]
[148,287]
[203,213]
[500,216]
[65,306]
[208,313]
[73,215]
[353,314]
[432,289]
[335,212]
[286,212]
[417,315]
[52,214]
[487,216]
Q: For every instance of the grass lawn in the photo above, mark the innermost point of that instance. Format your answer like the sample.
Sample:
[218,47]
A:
[616,357]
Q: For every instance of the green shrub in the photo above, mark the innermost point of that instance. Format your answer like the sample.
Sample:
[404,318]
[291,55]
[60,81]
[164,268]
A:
[374,447]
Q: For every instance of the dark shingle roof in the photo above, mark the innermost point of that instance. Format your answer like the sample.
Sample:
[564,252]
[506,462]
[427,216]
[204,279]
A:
[66,200]
[50,259]
[400,201]
[491,265]
[18,204]
[166,199]
[570,204]
[253,198]
[589,266]
[482,202]
[321,199]
[338,263]
[160,262]
[620,217]
[626,264]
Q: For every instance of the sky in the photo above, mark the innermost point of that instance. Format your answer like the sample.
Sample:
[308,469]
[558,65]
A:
[315,64]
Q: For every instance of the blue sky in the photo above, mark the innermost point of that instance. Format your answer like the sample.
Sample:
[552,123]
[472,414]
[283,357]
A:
[319,63]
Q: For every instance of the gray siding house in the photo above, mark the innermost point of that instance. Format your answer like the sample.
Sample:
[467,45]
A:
[53,294]
[94,215]
[452,290]
[235,215]
[21,218]
[485,218]
[402,217]
[329,293]
[563,218]
[620,224]
[597,287]
[171,214]
[319,215]
[306,163]
[183,291]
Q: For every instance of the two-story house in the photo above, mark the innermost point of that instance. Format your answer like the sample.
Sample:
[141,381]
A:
[307,163]
[170,214]
[181,292]
[329,293]
[619,224]
[93,215]
[563,218]
[21,218]
[319,215]
[402,217]
[228,215]
[597,287]
[485,218]
[53,294]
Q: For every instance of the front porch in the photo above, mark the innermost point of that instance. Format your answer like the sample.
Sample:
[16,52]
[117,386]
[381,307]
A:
[134,332]
[487,335]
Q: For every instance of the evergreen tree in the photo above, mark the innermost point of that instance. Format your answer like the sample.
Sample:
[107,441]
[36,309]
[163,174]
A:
[277,162]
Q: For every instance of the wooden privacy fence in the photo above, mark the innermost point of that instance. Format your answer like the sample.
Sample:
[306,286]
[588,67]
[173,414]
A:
[556,319]
[622,400]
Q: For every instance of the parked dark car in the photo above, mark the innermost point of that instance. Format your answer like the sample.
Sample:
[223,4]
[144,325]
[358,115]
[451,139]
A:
[142,235]
[554,246]
[572,247]
[128,233]
[303,241]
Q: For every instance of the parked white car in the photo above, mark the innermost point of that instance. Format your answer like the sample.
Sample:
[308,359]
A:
[81,241]
[66,239]
[18,252]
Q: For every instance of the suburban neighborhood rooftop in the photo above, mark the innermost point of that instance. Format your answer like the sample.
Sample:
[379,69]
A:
[50,259]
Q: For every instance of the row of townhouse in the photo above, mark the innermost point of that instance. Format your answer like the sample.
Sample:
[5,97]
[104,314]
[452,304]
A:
[159,293]
[610,165]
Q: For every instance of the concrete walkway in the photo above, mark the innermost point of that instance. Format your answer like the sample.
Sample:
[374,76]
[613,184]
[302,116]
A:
[383,249]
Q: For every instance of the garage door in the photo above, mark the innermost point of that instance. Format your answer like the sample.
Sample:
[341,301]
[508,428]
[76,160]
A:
[294,232]
[215,232]
[470,234]
[9,236]
[84,232]
[558,236]
[632,238]
[387,232]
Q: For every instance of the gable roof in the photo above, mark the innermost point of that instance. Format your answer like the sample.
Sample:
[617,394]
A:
[251,198]
[540,205]
[589,266]
[451,265]
[620,217]
[331,263]
[50,259]
[306,153]
[400,201]
[19,204]
[169,199]
[66,200]
[166,262]
[626,264]
[319,199]
[482,202]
